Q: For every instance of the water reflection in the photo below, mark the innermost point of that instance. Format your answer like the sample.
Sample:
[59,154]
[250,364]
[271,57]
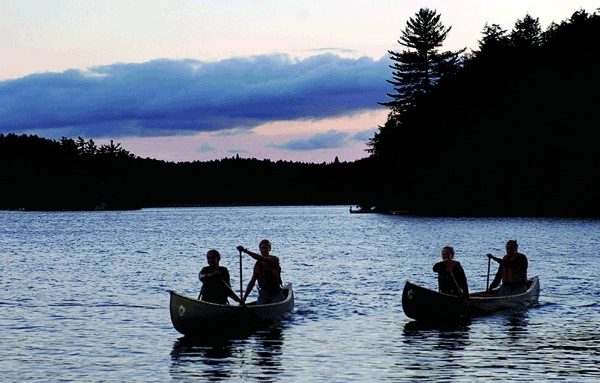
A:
[186,348]
[223,357]
[516,323]
[436,351]
[267,351]
[449,337]
[207,358]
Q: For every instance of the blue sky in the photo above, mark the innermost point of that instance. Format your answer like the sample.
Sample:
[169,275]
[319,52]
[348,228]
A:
[195,80]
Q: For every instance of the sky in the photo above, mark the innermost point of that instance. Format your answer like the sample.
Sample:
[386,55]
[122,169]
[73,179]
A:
[205,80]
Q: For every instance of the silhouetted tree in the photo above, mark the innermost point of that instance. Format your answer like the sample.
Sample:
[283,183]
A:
[415,72]
[114,150]
[527,33]
[86,147]
[494,38]
[418,68]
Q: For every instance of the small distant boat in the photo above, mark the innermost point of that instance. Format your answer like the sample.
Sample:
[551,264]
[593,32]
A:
[422,304]
[359,210]
[191,316]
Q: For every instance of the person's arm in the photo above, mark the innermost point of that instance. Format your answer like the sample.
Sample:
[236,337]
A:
[249,287]
[206,273]
[518,263]
[497,279]
[202,277]
[259,257]
[439,267]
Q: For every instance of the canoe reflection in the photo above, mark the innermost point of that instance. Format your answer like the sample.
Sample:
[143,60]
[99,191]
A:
[516,324]
[219,357]
[440,337]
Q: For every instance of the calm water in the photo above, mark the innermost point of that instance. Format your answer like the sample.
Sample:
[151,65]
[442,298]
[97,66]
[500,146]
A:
[84,297]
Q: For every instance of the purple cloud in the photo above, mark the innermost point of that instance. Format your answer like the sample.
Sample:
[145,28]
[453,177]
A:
[171,97]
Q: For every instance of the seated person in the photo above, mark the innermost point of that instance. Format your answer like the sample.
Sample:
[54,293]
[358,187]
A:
[512,271]
[216,286]
[451,276]
[267,272]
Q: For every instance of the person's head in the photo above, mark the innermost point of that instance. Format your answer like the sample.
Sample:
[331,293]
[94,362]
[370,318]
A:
[213,258]
[447,253]
[264,246]
[511,246]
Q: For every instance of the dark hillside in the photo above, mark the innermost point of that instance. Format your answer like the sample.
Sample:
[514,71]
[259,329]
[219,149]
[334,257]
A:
[41,174]
[512,134]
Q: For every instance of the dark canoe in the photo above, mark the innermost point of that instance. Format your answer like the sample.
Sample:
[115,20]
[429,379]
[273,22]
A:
[191,316]
[422,304]
[360,210]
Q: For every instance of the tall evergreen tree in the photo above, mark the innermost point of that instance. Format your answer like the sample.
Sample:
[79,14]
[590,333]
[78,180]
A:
[418,68]
[416,71]
[494,38]
[526,33]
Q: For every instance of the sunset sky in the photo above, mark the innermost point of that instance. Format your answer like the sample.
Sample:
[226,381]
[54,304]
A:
[202,80]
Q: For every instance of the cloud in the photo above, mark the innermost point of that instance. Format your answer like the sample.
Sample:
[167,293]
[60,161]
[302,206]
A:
[328,140]
[205,148]
[364,135]
[181,97]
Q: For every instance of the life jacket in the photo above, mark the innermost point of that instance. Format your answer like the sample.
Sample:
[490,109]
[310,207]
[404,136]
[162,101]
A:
[512,275]
[269,275]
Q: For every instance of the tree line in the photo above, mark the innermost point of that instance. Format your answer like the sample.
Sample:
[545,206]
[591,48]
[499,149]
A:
[504,130]
[507,129]
[67,174]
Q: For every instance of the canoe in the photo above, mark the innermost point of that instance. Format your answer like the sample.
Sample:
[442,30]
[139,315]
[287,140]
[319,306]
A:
[360,210]
[191,316]
[422,304]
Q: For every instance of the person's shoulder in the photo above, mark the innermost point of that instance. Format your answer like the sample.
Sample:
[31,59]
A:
[270,259]
[223,268]
[205,268]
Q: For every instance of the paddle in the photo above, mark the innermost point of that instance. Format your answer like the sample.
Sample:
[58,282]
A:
[460,295]
[455,284]
[487,283]
[230,289]
[241,286]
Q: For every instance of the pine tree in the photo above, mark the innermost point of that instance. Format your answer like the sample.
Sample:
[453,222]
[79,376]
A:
[417,69]
[527,33]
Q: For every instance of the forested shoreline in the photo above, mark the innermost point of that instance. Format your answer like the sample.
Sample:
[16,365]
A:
[507,130]
[43,174]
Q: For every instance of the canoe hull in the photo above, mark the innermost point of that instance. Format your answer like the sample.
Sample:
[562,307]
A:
[422,304]
[483,303]
[191,316]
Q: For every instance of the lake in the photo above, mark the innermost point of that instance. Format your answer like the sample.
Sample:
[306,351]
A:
[84,297]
